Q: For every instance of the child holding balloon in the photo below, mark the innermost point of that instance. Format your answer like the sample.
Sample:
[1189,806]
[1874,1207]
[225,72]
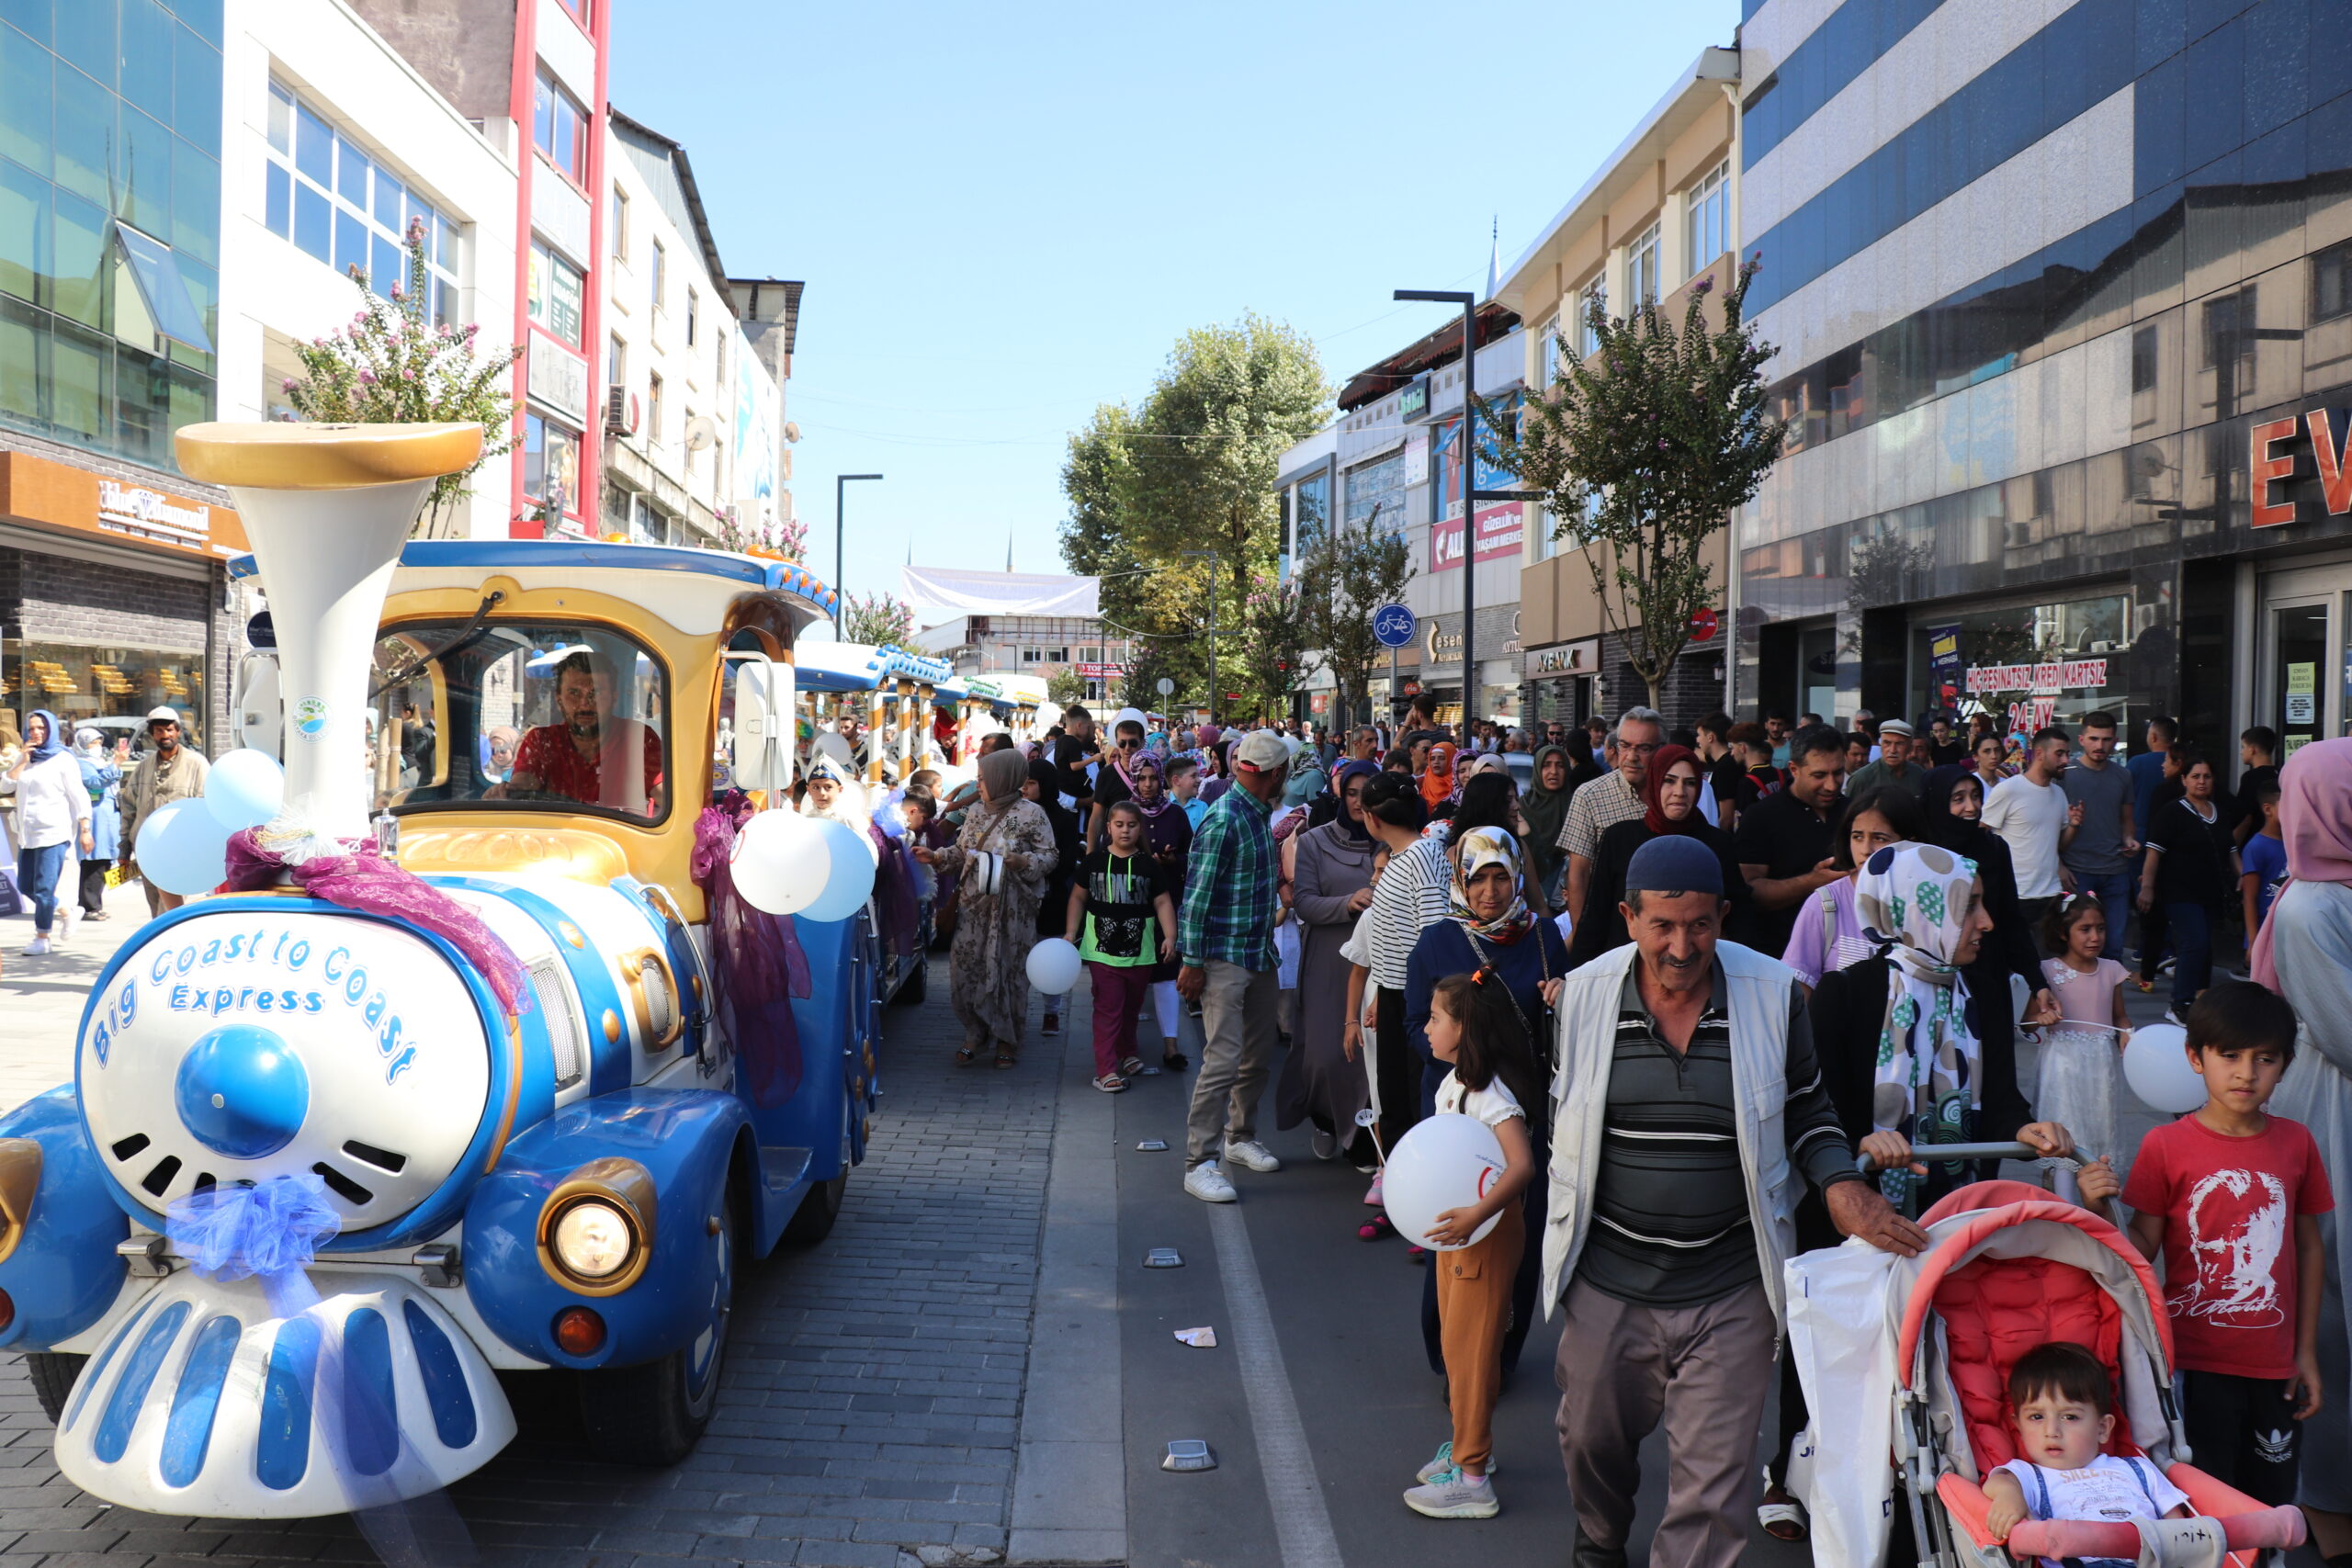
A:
[1475,1027]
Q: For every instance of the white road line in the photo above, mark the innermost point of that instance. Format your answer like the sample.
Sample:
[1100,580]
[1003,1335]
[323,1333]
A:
[1302,1523]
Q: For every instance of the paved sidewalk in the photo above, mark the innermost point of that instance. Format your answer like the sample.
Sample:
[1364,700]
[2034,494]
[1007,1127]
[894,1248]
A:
[872,1410]
[41,999]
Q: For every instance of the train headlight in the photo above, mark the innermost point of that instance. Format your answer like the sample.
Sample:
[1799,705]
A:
[596,1228]
[592,1239]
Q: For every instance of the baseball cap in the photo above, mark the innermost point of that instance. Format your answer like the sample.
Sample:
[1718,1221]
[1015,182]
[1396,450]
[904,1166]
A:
[1261,751]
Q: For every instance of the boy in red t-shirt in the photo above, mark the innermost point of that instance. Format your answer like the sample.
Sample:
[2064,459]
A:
[2227,1198]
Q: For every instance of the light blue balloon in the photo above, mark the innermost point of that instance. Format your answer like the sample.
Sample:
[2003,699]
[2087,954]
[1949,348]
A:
[183,848]
[245,789]
[850,883]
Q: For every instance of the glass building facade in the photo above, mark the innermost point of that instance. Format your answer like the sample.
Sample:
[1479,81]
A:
[110,128]
[2055,457]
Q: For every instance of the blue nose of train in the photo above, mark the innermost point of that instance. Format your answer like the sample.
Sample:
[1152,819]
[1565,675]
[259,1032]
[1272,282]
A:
[242,1091]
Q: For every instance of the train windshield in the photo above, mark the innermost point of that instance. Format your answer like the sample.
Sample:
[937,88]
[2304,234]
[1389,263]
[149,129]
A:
[536,715]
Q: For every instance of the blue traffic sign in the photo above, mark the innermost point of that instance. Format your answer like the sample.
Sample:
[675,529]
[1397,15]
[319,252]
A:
[1392,625]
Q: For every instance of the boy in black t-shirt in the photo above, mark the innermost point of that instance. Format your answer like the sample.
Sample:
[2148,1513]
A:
[1122,917]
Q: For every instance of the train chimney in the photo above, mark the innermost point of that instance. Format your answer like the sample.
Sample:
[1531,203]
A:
[327,507]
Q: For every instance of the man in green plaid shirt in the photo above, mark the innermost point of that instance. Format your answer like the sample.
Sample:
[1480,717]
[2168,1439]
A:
[1225,935]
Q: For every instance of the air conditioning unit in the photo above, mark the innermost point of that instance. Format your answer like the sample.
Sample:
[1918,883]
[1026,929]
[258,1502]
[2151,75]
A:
[620,412]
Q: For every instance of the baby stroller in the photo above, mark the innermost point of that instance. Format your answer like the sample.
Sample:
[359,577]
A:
[2009,1267]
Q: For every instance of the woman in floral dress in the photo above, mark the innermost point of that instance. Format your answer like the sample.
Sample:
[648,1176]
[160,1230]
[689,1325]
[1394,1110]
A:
[995,925]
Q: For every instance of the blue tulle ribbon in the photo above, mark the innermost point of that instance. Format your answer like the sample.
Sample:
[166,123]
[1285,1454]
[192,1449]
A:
[271,1229]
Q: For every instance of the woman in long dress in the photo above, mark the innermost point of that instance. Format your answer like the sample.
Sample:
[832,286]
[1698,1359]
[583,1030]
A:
[2304,953]
[997,915]
[1331,885]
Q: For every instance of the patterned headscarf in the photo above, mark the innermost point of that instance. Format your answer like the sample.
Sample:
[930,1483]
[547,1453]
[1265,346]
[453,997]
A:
[1474,852]
[1914,899]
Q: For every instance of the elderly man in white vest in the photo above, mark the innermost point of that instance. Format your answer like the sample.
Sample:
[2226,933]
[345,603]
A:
[1689,1111]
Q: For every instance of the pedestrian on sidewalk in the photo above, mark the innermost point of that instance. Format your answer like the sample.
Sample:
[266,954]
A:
[171,770]
[1069,847]
[1409,896]
[1000,859]
[1226,938]
[1330,887]
[2188,869]
[1168,837]
[1475,1029]
[1690,1101]
[1120,918]
[52,821]
[1614,798]
[2098,854]
[2033,816]
[102,777]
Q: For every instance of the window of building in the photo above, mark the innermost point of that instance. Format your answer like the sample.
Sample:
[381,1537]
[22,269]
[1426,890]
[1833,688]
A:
[550,464]
[1592,295]
[335,201]
[617,361]
[2332,283]
[1642,268]
[620,224]
[661,275]
[555,292]
[1032,655]
[1376,493]
[694,315]
[654,407]
[720,349]
[1710,217]
[560,129]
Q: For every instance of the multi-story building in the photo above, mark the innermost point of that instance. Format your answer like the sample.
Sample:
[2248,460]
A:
[2063,297]
[1041,646]
[337,147]
[1393,462]
[1655,221]
[693,419]
[112,594]
[531,74]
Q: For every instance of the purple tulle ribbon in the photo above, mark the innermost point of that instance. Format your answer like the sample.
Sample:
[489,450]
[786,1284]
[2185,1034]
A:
[362,880]
[272,1229]
[759,964]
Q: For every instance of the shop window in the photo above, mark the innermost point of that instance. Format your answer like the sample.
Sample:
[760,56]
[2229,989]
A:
[556,291]
[551,464]
[107,687]
[559,128]
[338,204]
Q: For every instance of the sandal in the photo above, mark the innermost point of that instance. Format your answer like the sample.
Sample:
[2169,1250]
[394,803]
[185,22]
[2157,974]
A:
[1782,1520]
[1174,1061]
[968,1053]
[1006,1057]
[1132,1068]
[1111,1083]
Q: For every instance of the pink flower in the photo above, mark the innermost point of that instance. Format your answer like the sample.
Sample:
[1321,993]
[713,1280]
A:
[396,291]
[366,376]
[287,385]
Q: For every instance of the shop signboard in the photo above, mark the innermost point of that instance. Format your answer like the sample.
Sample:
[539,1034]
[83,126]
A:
[559,379]
[1102,672]
[1943,665]
[133,509]
[2044,683]
[2272,460]
[1500,526]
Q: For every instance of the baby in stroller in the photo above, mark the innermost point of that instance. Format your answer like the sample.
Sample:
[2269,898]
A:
[2064,1407]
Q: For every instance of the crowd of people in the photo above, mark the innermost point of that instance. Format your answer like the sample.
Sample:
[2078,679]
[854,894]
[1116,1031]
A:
[1686,977]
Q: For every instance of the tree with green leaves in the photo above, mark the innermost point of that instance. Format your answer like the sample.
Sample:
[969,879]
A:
[391,365]
[1356,573]
[1643,451]
[1066,687]
[878,618]
[1276,660]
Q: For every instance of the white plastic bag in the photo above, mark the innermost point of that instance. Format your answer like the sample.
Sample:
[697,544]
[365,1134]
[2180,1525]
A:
[1841,1468]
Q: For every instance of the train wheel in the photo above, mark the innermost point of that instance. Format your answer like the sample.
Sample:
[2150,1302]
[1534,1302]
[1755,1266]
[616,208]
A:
[813,1221]
[54,1373]
[913,989]
[654,1413]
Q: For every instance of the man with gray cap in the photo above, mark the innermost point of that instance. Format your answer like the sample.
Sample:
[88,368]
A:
[1688,1112]
[1895,766]
[1226,938]
[169,772]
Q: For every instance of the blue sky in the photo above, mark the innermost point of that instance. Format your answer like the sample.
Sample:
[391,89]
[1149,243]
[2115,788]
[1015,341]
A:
[1007,214]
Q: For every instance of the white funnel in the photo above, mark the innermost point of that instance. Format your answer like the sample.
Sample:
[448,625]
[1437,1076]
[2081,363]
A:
[327,507]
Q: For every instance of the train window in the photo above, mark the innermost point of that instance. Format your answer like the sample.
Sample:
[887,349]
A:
[538,715]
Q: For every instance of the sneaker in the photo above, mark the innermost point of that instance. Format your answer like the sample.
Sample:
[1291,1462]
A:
[2172,1015]
[1052,1026]
[1372,1195]
[1450,1494]
[1326,1145]
[68,916]
[38,946]
[1208,1183]
[1442,1461]
[1252,1155]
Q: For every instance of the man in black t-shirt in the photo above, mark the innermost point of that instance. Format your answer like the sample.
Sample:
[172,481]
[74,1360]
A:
[2258,773]
[1110,779]
[1723,764]
[1072,753]
[1786,840]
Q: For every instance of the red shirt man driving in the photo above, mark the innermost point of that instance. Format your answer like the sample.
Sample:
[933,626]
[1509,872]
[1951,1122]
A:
[586,757]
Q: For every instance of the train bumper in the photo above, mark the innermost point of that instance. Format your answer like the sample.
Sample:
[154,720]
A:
[205,1401]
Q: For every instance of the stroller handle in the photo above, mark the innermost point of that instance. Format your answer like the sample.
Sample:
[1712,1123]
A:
[1971,1152]
[2267,1529]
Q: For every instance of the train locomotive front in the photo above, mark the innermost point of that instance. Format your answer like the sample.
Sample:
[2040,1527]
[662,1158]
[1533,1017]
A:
[511,1091]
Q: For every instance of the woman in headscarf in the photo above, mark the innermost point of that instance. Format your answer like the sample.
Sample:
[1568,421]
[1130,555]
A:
[1330,886]
[102,777]
[1544,805]
[1041,789]
[1167,834]
[1951,801]
[1489,798]
[1827,932]
[1670,792]
[1491,933]
[52,819]
[1911,1058]
[1437,775]
[2304,953]
[1004,857]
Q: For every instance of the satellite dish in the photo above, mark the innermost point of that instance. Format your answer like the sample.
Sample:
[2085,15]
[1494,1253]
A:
[791,431]
[701,431]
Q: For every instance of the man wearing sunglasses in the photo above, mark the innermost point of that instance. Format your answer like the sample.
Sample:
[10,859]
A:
[1112,779]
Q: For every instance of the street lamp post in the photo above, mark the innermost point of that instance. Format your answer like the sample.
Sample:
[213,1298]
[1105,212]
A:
[1471,494]
[841,595]
[1211,556]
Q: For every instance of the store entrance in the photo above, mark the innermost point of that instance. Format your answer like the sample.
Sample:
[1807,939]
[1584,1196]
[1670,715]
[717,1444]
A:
[2307,657]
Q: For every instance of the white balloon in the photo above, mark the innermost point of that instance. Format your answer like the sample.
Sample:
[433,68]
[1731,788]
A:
[245,789]
[849,871]
[183,848]
[1054,966]
[1447,1161]
[2155,1064]
[780,863]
